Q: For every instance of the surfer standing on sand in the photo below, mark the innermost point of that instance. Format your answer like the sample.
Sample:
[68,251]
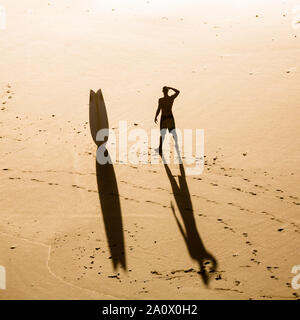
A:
[167,119]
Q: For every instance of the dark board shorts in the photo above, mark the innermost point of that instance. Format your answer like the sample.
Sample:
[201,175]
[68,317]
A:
[167,122]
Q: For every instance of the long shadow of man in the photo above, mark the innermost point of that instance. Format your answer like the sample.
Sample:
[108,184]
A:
[207,262]
[107,185]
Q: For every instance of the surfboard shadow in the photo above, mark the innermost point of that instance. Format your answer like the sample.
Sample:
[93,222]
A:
[206,261]
[107,186]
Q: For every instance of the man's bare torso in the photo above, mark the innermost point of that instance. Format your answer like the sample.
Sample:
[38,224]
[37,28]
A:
[165,105]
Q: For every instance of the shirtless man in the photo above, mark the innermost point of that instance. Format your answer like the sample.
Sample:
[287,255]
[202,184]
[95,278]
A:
[166,120]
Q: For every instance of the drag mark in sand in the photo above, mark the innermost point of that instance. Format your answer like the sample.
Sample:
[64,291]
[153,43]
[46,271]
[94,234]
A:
[48,247]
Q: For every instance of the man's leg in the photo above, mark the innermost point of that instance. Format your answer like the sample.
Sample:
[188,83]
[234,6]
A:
[175,137]
[161,139]
[160,145]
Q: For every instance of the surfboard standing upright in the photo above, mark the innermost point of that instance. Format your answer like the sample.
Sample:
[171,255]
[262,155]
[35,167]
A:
[107,185]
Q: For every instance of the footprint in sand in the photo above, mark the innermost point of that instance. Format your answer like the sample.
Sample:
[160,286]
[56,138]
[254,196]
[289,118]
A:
[8,94]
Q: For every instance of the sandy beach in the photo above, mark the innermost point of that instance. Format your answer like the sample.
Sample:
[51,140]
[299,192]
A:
[232,232]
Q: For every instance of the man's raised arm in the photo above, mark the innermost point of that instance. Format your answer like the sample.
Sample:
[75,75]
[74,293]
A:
[175,95]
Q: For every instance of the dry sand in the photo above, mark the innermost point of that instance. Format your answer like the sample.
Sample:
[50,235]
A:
[237,66]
